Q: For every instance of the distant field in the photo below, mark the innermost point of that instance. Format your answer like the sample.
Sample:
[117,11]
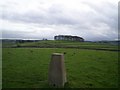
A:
[64,44]
[28,67]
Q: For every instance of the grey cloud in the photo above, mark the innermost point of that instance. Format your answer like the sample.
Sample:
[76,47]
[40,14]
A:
[105,14]
[58,15]
[52,16]
[18,34]
[11,34]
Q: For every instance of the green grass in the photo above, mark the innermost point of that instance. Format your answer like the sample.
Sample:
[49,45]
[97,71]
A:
[66,44]
[28,68]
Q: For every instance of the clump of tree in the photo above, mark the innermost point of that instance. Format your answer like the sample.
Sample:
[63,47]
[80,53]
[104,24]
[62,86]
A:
[44,39]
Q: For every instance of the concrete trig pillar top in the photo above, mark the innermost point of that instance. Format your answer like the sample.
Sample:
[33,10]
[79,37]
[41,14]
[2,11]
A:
[59,54]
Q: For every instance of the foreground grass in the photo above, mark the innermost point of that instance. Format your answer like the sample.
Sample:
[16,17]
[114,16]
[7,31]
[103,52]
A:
[28,68]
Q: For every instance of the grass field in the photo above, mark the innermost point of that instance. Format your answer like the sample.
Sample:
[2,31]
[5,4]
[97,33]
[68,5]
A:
[28,67]
[63,44]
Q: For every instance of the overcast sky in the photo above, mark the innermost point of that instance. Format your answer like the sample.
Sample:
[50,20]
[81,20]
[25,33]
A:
[38,19]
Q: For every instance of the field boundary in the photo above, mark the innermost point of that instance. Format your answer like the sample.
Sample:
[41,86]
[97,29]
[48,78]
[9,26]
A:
[65,47]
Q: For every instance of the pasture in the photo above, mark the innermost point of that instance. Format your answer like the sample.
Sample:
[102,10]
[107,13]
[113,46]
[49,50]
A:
[64,44]
[28,67]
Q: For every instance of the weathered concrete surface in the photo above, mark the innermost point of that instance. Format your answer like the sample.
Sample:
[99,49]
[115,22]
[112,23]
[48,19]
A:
[57,72]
